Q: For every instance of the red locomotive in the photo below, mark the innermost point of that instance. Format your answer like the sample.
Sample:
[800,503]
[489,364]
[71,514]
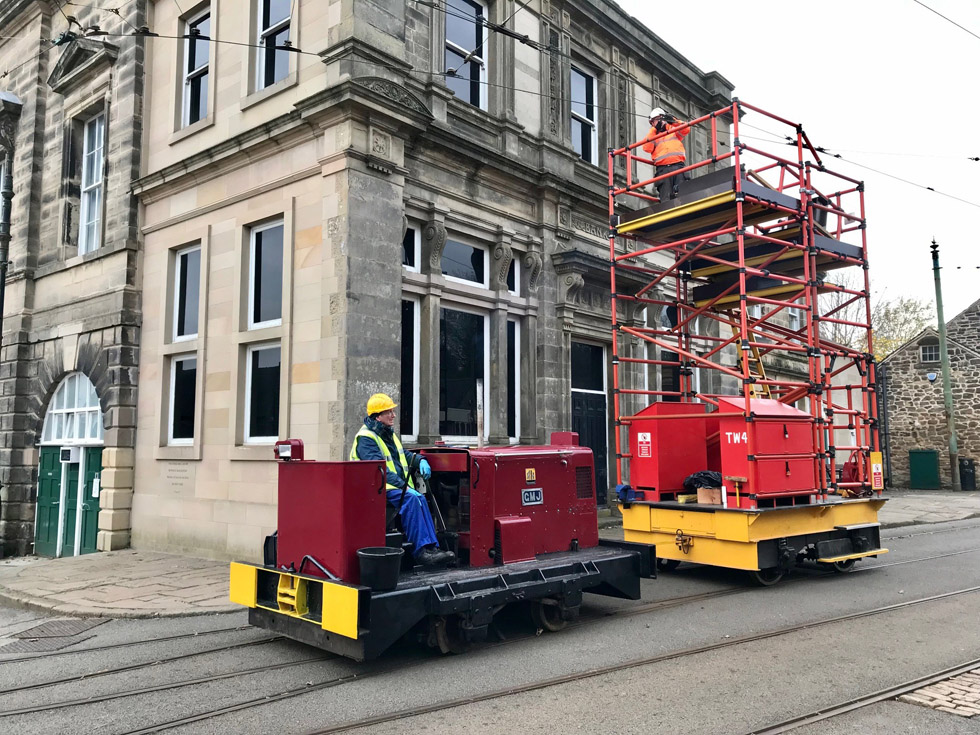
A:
[521,520]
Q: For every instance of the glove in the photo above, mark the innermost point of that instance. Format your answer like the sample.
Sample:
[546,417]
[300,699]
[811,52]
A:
[425,469]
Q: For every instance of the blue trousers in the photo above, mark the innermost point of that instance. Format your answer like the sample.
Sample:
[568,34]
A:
[416,519]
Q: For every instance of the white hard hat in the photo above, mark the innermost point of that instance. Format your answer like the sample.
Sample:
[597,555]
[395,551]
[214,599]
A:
[657,112]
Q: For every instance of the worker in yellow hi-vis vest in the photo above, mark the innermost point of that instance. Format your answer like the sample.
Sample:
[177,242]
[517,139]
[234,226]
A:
[377,440]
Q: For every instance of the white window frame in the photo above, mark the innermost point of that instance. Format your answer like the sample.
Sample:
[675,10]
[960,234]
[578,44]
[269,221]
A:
[178,272]
[171,440]
[516,291]
[486,265]
[258,346]
[260,42]
[253,231]
[516,398]
[417,232]
[49,439]
[452,306]
[416,364]
[594,124]
[481,59]
[191,74]
[922,353]
[93,190]
[795,318]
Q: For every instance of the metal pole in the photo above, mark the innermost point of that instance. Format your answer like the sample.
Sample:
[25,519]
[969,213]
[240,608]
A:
[954,459]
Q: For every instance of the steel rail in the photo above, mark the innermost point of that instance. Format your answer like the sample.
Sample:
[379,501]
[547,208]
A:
[866,700]
[127,644]
[134,667]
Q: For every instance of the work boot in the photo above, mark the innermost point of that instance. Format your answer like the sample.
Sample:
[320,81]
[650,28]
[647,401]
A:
[432,556]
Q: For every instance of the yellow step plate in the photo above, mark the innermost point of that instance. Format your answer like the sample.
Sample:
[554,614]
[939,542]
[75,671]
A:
[845,557]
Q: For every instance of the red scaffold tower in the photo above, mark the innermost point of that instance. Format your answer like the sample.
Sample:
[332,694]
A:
[745,267]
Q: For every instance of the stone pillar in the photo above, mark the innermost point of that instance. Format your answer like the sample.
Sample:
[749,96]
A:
[115,498]
[433,242]
[530,430]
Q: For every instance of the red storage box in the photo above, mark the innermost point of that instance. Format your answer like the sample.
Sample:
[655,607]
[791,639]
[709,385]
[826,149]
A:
[666,450]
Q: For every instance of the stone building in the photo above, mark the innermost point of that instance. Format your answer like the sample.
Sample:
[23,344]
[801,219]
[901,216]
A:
[68,367]
[345,217]
[913,388]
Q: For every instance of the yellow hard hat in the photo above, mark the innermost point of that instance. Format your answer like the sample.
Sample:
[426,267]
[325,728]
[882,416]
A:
[379,403]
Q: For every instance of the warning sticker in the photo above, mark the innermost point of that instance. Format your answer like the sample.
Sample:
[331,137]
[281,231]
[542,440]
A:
[530,475]
[877,471]
[645,448]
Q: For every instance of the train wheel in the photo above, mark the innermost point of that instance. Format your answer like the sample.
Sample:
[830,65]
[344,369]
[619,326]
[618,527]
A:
[844,566]
[766,577]
[546,614]
[668,565]
[449,637]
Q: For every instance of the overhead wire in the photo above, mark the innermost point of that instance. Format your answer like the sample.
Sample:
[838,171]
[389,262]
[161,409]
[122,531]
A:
[950,20]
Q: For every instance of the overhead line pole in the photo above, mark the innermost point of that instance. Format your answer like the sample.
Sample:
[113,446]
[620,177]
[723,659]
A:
[954,455]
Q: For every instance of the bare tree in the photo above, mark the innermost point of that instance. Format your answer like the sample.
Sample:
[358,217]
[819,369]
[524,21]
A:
[894,320]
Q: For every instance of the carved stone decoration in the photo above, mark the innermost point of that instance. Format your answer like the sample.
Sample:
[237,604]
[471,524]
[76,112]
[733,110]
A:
[380,143]
[8,129]
[554,83]
[533,263]
[569,287]
[503,255]
[563,216]
[434,240]
[394,92]
[81,60]
[622,121]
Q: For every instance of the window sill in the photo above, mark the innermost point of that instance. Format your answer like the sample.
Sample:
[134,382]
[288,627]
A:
[262,94]
[186,452]
[253,453]
[190,130]
[75,260]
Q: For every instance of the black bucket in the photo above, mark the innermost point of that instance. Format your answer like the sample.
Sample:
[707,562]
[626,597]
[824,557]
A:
[380,566]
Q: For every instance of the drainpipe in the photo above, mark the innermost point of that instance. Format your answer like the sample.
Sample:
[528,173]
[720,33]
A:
[954,455]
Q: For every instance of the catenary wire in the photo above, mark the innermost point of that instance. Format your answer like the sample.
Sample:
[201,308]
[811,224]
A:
[950,20]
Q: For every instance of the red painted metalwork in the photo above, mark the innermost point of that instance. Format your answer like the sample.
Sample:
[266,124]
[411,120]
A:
[813,221]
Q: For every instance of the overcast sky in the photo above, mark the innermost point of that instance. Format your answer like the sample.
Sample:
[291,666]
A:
[887,84]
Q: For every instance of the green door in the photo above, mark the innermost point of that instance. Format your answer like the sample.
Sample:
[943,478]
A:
[90,501]
[71,509]
[48,502]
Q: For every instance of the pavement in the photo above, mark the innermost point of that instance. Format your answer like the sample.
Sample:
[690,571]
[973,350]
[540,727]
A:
[135,583]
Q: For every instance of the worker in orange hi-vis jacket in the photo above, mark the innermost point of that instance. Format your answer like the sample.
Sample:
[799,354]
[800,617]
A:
[667,152]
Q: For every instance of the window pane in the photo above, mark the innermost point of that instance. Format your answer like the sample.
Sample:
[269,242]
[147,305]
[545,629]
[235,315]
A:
[59,426]
[70,392]
[275,62]
[69,426]
[267,276]
[461,364]
[581,89]
[463,261]
[197,51]
[512,392]
[578,137]
[465,31]
[460,85]
[512,276]
[587,367]
[408,248]
[263,418]
[274,11]
[188,292]
[59,397]
[409,388]
[94,425]
[670,376]
[197,98]
[185,385]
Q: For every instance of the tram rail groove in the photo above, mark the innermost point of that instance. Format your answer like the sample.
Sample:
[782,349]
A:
[866,700]
[126,644]
[134,667]
[524,688]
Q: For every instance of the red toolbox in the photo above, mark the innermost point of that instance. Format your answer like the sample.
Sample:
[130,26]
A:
[665,450]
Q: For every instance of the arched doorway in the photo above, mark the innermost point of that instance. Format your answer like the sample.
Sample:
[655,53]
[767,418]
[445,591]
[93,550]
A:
[67,520]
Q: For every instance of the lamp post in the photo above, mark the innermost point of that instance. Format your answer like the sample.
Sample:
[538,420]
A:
[10,107]
[954,455]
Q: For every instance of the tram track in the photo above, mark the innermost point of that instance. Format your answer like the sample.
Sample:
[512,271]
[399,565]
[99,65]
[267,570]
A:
[522,688]
[865,700]
[641,609]
[125,644]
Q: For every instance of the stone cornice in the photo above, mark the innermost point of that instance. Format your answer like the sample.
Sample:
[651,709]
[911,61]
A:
[82,59]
